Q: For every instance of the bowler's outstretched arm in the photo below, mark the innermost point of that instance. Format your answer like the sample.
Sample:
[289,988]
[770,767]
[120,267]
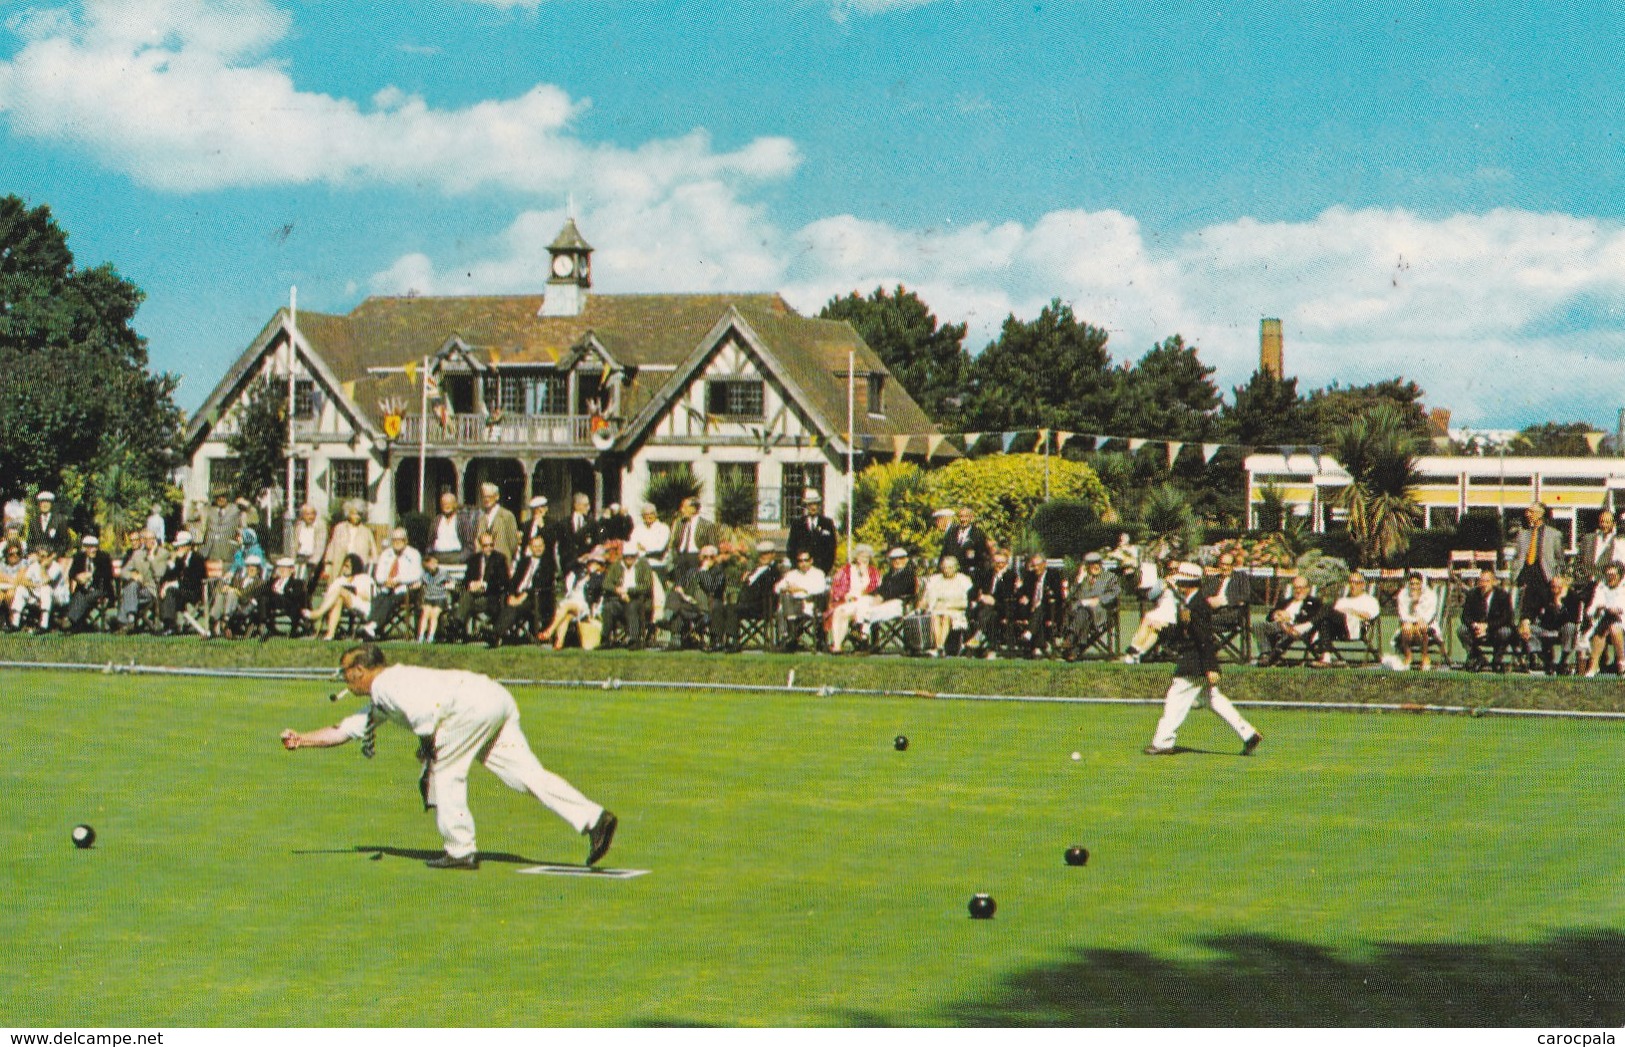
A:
[321,738]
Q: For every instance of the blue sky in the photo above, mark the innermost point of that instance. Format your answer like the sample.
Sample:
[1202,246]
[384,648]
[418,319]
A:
[1415,189]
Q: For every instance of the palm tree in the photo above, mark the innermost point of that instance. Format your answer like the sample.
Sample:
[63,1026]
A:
[1380,457]
[1170,522]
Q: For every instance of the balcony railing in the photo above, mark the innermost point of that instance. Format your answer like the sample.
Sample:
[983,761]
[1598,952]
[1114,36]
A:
[477,430]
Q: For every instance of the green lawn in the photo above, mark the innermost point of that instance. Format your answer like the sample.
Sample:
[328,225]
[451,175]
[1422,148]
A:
[1360,870]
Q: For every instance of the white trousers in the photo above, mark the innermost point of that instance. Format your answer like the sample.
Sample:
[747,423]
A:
[486,728]
[1182,694]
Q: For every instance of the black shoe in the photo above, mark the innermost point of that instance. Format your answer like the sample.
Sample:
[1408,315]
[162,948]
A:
[446,861]
[1152,750]
[1250,746]
[600,835]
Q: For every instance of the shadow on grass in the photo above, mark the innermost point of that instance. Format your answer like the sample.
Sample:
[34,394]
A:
[418,854]
[1569,980]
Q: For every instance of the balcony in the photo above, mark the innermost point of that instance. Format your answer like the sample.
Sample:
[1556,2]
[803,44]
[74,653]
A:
[475,431]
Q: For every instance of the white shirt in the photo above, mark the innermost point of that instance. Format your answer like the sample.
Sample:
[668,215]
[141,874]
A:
[948,596]
[421,699]
[1606,599]
[811,582]
[409,573]
[445,535]
[304,540]
[155,524]
[1357,610]
[652,539]
[1422,610]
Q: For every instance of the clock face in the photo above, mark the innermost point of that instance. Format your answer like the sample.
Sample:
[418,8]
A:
[562,265]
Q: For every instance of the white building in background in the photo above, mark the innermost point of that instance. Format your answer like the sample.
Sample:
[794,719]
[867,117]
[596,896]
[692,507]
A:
[562,392]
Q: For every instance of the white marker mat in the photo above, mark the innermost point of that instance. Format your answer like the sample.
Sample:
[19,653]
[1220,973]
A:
[580,870]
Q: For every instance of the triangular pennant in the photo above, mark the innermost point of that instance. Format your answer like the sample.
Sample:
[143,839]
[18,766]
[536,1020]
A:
[1173,452]
[603,379]
[1061,438]
[812,441]
[971,441]
[496,356]
[1594,441]
[899,444]
[411,371]
[1007,439]
[1134,444]
[1043,441]
[1314,452]
[348,389]
[933,442]
[1208,451]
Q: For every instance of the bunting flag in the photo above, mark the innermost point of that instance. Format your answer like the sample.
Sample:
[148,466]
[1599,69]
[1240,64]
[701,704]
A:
[899,444]
[411,370]
[1208,451]
[1314,452]
[442,412]
[1594,441]
[603,378]
[933,444]
[971,441]
[1135,443]
[1173,452]
[1061,438]
[1008,439]
[348,389]
[430,384]
[496,356]
[1043,439]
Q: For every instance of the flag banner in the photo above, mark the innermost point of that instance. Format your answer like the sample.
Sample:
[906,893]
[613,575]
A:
[1061,438]
[603,378]
[1208,451]
[442,412]
[899,444]
[1173,452]
[1043,440]
[348,389]
[430,384]
[933,443]
[1007,440]
[1594,441]
[1134,444]
[971,440]
[411,371]
[1314,452]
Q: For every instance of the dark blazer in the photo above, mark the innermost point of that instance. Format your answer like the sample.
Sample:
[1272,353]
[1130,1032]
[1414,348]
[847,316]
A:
[1554,616]
[971,547]
[492,569]
[1496,611]
[1039,596]
[100,566]
[540,580]
[1586,568]
[189,573]
[466,524]
[573,539]
[1238,589]
[1198,651]
[756,596]
[51,533]
[902,584]
[705,533]
[1308,611]
[814,535]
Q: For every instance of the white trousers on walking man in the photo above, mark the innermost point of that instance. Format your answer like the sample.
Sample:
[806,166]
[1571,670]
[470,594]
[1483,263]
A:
[1182,694]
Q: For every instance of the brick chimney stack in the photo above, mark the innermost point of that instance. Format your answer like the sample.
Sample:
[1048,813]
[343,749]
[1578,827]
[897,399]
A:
[1269,347]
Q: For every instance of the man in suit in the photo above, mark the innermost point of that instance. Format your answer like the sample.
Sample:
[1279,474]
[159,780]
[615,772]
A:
[1196,671]
[814,533]
[990,617]
[757,599]
[577,534]
[283,593]
[691,535]
[1293,618]
[1227,592]
[969,544]
[485,583]
[532,579]
[497,521]
[90,581]
[628,589]
[452,535]
[1597,550]
[182,586]
[140,576]
[536,524]
[1093,600]
[222,528]
[1486,617]
[49,526]
[1040,605]
[1535,563]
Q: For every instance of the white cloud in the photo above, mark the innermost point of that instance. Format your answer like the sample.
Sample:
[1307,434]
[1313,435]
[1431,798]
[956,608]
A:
[178,94]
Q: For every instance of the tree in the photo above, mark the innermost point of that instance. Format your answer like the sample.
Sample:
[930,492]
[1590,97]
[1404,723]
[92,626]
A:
[1553,439]
[1378,453]
[1168,395]
[77,391]
[1050,372]
[929,360]
[1335,406]
[1266,411]
[260,439]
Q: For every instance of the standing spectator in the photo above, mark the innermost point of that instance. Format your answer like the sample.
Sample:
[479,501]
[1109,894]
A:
[350,589]
[157,524]
[691,534]
[309,542]
[398,571]
[1293,618]
[182,585]
[1040,603]
[1550,637]
[1535,562]
[222,528]
[1093,598]
[452,531]
[49,527]
[90,581]
[140,576]
[814,533]
[1486,615]
[855,588]
[436,597]
[351,536]
[485,583]
[577,535]
[615,524]
[1597,550]
[283,594]
[966,542]
[653,537]
[536,524]
[1418,609]
[799,589]
[1196,671]
[628,593]
[1606,613]
[946,599]
[496,521]
[1346,619]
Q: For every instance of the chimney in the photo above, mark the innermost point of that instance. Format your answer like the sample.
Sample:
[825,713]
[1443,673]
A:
[1269,347]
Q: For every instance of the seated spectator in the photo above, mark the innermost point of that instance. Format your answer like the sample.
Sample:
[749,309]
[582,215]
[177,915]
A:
[1126,555]
[1346,619]
[284,594]
[798,590]
[1418,610]
[583,592]
[1040,606]
[351,590]
[90,581]
[689,601]
[227,614]
[652,536]
[946,599]
[629,587]
[757,597]
[1486,616]
[485,584]
[1228,593]
[530,583]
[140,576]
[182,586]
[1550,635]
[856,586]
[1293,618]
[1164,611]
[1606,618]
[437,586]
[1093,599]
[37,591]
[990,614]
[716,577]
[398,571]
[12,565]
[897,594]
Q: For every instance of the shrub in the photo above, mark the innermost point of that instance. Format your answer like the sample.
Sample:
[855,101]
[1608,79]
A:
[1063,526]
[900,507]
[417,529]
[667,489]
[1431,548]
[1005,490]
[1480,530]
[736,502]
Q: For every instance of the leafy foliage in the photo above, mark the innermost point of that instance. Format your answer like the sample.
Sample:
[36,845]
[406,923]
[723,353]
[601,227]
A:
[1554,439]
[1379,455]
[1050,372]
[898,499]
[929,360]
[1170,522]
[667,489]
[260,441]
[736,502]
[1330,409]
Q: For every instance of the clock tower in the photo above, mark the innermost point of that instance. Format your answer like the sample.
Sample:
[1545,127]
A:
[570,273]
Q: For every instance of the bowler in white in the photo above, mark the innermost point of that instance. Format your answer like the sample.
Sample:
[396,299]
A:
[458,717]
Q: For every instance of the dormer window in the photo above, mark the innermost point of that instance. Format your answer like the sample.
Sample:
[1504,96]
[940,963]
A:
[877,396]
[735,399]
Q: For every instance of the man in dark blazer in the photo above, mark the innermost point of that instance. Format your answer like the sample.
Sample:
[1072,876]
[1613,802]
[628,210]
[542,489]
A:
[757,599]
[966,541]
[49,525]
[690,534]
[90,581]
[485,583]
[1196,670]
[183,582]
[1535,562]
[524,600]
[1293,618]
[577,534]
[990,616]
[283,593]
[813,534]
[628,592]
[1486,617]
[1040,605]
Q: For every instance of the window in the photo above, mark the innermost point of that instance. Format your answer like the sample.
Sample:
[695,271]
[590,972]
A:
[347,479]
[301,481]
[798,477]
[877,395]
[531,393]
[223,475]
[551,394]
[734,398]
[304,399]
[459,390]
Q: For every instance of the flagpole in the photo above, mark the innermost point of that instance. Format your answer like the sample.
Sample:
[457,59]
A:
[851,475]
[423,432]
[288,512]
